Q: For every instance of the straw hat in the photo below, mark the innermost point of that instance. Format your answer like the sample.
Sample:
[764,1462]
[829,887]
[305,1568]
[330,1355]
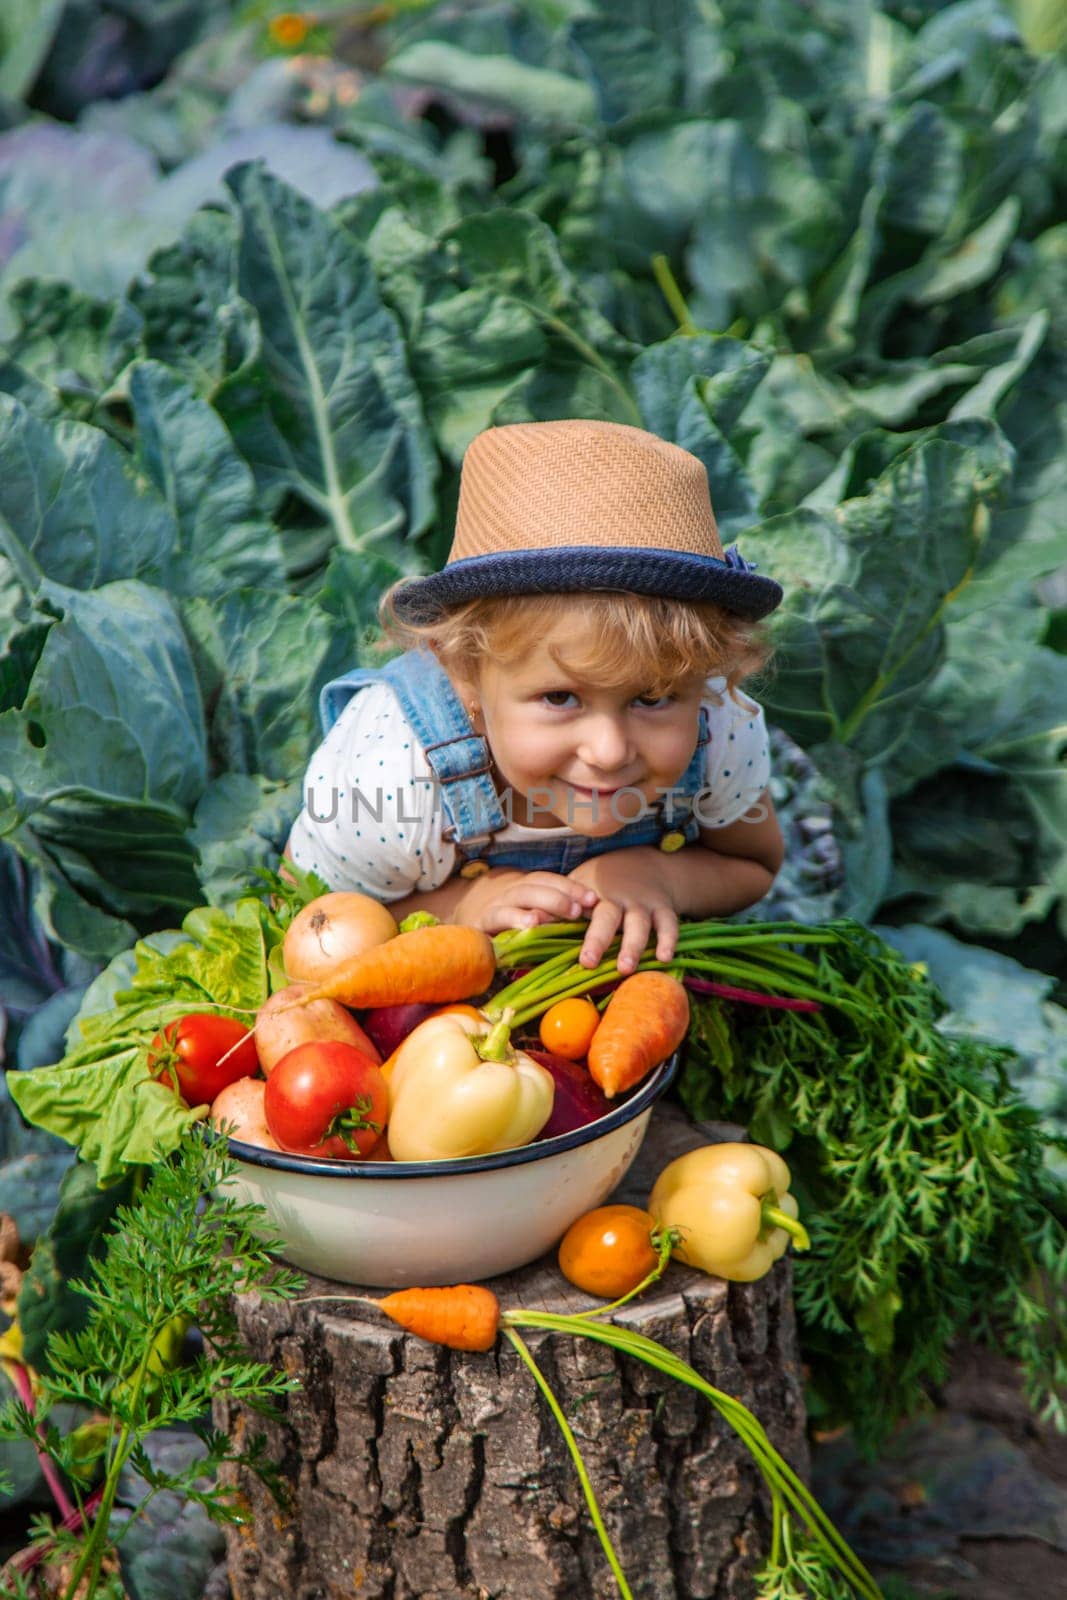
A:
[573,506]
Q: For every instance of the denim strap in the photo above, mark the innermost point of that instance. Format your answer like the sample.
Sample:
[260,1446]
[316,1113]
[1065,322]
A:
[458,758]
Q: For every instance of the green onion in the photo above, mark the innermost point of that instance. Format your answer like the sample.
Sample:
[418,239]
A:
[756,956]
[783,1483]
[576,1455]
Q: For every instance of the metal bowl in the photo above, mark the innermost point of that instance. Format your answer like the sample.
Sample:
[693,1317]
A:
[397,1224]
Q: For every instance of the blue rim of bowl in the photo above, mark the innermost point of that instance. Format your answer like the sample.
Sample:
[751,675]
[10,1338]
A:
[658,1081]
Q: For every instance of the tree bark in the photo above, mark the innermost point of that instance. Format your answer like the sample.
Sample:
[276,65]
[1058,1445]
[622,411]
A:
[419,1473]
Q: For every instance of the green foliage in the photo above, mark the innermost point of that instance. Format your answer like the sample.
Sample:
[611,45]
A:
[798,1569]
[996,999]
[172,1258]
[47,1303]
[921,1176]
[25,37]
[101,1096]
[328,411]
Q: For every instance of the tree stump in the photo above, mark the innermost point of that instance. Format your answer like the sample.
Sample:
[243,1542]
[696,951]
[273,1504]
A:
[419,1473]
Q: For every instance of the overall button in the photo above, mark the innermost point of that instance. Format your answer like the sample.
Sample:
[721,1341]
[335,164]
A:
[672,841]
[473,869]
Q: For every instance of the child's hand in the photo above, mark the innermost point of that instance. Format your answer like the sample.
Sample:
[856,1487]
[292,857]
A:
[631,892]
[506,898]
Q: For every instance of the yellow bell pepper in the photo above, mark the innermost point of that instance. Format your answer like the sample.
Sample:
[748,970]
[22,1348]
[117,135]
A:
[732,1207]
[458,1088]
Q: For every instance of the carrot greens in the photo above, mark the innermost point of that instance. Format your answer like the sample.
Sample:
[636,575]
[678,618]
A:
[174,1257]
[924,1179]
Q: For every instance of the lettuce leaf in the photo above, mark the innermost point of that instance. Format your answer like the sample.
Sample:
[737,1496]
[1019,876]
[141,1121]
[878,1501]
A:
[101,1097]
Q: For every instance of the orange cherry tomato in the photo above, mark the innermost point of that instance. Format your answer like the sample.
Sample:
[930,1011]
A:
[567,1028]
[608,1251]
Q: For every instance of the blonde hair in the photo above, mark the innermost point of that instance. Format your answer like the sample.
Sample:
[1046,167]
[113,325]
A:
[666,645]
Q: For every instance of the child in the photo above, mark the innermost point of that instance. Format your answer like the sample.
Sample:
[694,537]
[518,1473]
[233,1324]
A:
[563,736]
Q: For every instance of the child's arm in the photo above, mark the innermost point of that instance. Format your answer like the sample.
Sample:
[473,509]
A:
[645,890]
[737,864]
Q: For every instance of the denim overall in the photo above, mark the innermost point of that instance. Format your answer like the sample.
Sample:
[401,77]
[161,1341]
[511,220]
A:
[460,763]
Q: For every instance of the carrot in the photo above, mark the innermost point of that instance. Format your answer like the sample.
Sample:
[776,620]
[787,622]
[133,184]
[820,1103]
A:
[445,962]
[464,1316]
[646,1018]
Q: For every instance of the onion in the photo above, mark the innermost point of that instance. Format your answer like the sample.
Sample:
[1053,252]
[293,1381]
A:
[241,1103]
[389,1026]
[280,1029]
[330,930]
[578,1099]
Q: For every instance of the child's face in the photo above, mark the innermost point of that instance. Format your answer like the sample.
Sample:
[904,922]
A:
[564,746]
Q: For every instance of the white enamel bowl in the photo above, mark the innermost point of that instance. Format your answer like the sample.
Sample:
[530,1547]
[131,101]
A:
[393,1225]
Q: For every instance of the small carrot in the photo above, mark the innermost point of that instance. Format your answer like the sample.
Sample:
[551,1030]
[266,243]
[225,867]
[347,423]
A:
[646,1018]
[464,1316]
[445,962]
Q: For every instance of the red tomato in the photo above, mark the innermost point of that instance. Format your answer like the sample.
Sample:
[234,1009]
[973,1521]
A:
[186,1056]
[326,1098]
[608,1251]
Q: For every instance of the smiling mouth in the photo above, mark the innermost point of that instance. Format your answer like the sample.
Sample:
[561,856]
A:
[581,788]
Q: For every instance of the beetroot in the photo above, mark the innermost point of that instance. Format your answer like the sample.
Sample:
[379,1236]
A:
[389,1026]
[578,1099]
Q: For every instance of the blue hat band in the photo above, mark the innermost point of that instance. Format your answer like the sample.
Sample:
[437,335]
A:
[567,569]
